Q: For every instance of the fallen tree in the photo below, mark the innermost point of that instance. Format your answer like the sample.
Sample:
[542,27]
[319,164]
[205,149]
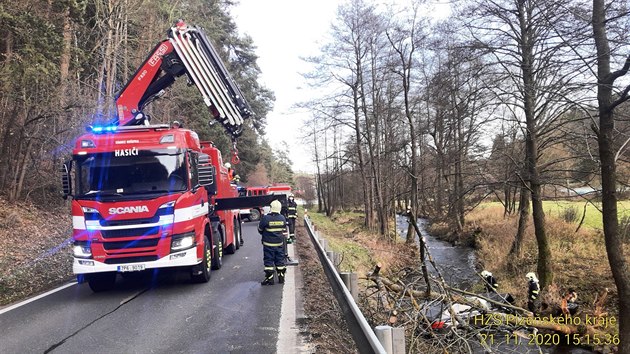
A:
[440,317]
[469,316]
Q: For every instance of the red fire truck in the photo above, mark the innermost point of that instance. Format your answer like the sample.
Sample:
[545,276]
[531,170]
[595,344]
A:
[155,196]
[256,212]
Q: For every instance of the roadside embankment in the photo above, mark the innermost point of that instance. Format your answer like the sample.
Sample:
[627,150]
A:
[34,250]
[361,249]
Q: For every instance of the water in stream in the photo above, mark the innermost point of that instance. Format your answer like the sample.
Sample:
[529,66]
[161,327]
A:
[457,266]
[456,263]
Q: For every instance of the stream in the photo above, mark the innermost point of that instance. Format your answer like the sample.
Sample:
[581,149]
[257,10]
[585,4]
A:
[457,266]
[456,263]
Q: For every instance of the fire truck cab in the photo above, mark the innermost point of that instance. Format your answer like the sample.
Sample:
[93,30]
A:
[143,198]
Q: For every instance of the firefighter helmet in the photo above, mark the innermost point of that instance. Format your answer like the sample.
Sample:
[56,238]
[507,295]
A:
[531,276]
[486,274]
[276,206]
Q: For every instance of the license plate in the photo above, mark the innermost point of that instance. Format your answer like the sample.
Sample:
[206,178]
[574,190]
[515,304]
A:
[131,268]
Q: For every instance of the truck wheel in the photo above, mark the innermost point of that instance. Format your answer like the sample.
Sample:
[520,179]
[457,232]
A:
[238,239]
[240,234]
[201,273]
[231,248]
[217,254]
[101,281]
[254,215]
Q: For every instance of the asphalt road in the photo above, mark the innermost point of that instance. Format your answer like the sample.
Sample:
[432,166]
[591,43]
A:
[165,313]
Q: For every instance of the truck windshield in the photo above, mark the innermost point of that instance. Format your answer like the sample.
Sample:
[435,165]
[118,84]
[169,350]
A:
[144,172]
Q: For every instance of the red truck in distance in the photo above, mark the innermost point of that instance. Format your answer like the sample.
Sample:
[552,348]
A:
[155,196]
[256,212]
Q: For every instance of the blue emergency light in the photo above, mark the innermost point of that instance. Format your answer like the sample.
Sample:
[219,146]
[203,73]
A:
[102,129]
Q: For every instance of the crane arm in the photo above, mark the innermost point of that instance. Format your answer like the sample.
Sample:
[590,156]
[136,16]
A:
[187,50]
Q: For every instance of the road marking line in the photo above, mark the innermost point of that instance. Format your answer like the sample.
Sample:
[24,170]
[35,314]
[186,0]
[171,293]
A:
[19,304]
[288,340]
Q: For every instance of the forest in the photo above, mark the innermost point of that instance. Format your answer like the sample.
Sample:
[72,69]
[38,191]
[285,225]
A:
[63,62]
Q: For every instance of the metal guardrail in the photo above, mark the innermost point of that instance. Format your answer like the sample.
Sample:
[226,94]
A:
[363,335]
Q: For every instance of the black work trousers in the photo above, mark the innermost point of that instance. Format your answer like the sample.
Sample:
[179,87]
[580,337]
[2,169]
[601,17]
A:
[273,256]
[291,222]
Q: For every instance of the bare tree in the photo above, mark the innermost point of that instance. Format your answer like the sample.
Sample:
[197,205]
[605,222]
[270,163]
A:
[457,106]
[520,36]
[608,98]
[405,39]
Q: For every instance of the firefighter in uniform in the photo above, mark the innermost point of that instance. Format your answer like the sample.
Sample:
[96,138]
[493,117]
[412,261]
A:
[533,289]
[271,227]
[490,282]
[230,171]
[291,217]
[569,304]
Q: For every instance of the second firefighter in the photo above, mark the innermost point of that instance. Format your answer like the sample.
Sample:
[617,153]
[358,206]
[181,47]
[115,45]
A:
[272,227]
[291,217]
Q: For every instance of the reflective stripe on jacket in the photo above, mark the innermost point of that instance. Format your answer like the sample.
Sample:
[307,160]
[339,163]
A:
[292,209]
[533,291]
[272,226]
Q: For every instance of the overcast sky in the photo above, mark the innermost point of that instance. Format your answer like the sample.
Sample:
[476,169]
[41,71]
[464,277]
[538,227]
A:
[283,31]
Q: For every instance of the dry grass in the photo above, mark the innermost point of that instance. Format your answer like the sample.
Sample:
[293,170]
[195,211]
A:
[324,325]
[579,259]
[34,249]
[362,249]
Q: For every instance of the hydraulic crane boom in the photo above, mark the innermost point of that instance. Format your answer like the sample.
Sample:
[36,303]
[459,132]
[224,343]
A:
[187,50]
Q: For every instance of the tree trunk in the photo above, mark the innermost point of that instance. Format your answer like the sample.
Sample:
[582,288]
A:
[8,46]
[605,137]
[8,142]
[414,150]
[320,190]
[64,63]
[23,167]
[405,55]
[425,273]
[367,221]
[507,195]
[544,269]
[523,218]
[459,194]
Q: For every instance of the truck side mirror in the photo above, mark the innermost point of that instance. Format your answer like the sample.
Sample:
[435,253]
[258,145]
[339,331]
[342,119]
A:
[207,174]
[66,179]
[193,159]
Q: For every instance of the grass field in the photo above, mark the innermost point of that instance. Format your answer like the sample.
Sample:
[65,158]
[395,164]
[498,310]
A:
[579,258]
[592,219]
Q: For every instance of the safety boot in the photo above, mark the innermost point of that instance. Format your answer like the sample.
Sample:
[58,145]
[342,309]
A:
[268,278]
[281,275]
